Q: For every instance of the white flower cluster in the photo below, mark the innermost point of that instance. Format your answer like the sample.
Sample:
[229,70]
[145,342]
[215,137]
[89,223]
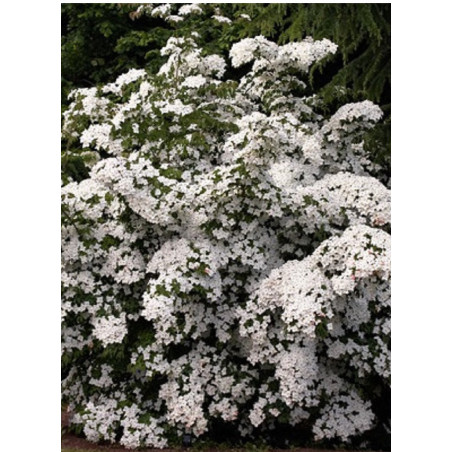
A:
[123,80]
[228,259]
[222,19]
[173,13]
[344,416]
[190,8]
[111,329]
[267,54]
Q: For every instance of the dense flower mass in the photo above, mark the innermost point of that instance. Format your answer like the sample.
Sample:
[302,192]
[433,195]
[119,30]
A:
[228,259]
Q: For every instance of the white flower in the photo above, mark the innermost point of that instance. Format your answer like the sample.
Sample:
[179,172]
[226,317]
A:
[222,19]
[194,81]
[110,330]
[191,8]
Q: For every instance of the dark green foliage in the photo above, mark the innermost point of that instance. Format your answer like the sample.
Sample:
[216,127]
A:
[362,32]
[101,41]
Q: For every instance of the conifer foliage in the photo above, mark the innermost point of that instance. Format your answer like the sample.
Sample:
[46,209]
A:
[362,32]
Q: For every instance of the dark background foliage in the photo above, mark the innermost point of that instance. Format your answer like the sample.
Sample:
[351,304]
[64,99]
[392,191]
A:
[101,41]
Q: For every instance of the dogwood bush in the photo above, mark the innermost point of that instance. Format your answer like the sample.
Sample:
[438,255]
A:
[227,261]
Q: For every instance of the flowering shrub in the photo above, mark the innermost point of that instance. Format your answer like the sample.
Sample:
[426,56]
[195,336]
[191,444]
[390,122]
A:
[227,261]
